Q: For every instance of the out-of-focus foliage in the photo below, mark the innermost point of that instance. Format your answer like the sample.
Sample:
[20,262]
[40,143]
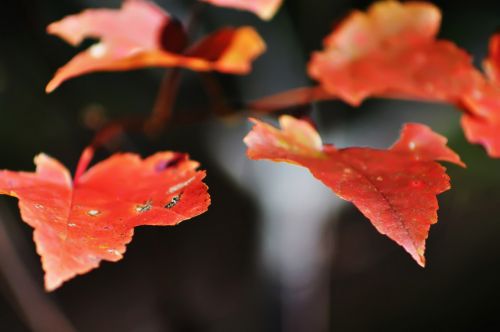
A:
[141,34]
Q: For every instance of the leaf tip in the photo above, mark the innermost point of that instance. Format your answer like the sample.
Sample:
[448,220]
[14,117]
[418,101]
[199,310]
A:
[51,284]
[425,144]
[51,29]
[417,253]
[421,260]
[253,120]
[51,86]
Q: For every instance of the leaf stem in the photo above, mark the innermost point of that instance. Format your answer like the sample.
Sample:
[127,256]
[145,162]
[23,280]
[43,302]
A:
[155,123]
[165,102]
[83,163]
[162,110]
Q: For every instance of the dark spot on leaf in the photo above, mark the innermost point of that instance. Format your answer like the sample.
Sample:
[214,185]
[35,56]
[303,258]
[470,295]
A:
[417,183]
[173,201]
[172,162]
[173,37]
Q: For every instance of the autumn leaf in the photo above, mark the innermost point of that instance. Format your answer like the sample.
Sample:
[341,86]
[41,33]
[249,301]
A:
[483,131]
[265,9]
[395,189]
[481,122]
[140,34]
[79,223]
[391,51]
[492,63]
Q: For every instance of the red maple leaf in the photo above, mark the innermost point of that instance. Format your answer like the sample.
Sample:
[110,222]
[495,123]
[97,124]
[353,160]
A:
[492,63]
[391,51]
[395,189]
[140,34]
[79,223]
[265,9]
[481,123]
[388,51]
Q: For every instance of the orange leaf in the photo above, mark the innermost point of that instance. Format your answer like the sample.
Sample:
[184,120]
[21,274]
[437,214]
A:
[392,49]
[483,131]
[79,223]
[481,123]
[265,9]
[395,189]
[141,34]
[492,63]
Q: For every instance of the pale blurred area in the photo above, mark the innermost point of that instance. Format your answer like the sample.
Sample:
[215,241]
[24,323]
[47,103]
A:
[277,251]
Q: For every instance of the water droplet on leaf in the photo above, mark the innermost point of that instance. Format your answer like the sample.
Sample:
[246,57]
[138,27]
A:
[93,213]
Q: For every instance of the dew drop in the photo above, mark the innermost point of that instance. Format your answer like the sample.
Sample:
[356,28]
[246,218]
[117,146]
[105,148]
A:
[93,213]
[412,145]
[39,206]
[379,178]
[71,224]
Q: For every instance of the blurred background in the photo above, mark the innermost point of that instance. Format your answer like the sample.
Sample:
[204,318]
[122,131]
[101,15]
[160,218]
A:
[277,251]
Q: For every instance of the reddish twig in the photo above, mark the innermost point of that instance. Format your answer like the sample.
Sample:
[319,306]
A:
[162,110]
